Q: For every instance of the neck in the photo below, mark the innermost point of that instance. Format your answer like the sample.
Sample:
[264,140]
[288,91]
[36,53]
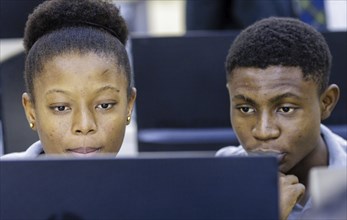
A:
[317,157]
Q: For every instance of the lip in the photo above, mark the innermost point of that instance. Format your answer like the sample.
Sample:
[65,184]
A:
[279,155]
[84,151]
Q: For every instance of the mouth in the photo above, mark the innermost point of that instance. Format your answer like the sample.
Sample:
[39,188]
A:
[84,151]
[279,155]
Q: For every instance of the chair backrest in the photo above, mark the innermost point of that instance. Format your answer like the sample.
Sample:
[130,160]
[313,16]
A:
[181,86]
[13,16]
[337,42]
[17,135]
[181,81]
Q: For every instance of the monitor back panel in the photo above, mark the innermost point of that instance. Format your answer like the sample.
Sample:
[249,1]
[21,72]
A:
[174,188]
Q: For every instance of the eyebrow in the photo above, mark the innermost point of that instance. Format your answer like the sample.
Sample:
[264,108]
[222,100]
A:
[283,96]
[244,98]
[104,88]
[57,91]
[105,72]
[272,100]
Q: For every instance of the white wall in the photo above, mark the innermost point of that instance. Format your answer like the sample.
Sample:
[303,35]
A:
[166,17]
[336,12]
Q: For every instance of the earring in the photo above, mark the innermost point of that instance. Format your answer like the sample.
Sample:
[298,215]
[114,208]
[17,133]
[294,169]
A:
[128,120]
[31,125]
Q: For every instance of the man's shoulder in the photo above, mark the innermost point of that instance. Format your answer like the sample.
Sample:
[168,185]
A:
[333,139]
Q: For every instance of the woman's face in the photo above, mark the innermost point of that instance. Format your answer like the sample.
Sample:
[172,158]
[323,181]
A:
[81,105]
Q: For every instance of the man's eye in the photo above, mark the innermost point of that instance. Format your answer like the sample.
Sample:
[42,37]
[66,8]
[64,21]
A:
[105,106]
[286,109]
[246,109]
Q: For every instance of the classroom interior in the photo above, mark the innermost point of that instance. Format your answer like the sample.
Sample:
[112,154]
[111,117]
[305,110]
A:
[181,111]
[175,123]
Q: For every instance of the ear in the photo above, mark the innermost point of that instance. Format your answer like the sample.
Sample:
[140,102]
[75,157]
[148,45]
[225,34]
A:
[131,101]
[328,100]
[29,109]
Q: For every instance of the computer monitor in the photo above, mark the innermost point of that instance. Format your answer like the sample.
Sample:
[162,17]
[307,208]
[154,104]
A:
[140,188]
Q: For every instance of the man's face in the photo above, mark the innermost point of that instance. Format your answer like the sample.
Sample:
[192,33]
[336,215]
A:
[275,110]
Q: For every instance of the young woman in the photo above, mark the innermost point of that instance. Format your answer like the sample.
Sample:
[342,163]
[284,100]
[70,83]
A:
[79,89]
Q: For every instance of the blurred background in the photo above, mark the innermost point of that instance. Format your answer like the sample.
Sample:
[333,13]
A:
[176,22]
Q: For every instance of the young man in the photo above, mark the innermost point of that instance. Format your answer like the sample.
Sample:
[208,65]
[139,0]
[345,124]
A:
[277,77]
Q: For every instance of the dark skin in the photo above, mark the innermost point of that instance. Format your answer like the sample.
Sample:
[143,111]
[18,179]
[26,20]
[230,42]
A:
[81,105]
[276,110]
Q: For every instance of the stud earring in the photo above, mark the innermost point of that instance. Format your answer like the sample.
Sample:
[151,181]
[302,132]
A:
[31,125]
[128,120]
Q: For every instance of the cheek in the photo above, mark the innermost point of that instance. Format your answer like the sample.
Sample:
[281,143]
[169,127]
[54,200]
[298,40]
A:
[242,130]
[51,125]
[55,130]
[301,139]
[113,126]
[113,131]
[53,135]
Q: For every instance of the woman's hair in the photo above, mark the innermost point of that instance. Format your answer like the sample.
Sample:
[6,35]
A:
[59,27]
[282,41]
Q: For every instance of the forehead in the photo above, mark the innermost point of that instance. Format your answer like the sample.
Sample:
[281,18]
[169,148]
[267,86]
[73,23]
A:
[77,70]
[79,63]
[269,81]
[84,60]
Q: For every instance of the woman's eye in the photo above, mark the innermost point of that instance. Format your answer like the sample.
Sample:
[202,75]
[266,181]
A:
[105,106]
[61,108]
[246,109]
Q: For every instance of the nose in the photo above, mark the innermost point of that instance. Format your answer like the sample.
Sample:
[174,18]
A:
[265,128]
[84,122]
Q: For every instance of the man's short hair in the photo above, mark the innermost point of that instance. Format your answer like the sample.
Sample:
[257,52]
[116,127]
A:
[285,42]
